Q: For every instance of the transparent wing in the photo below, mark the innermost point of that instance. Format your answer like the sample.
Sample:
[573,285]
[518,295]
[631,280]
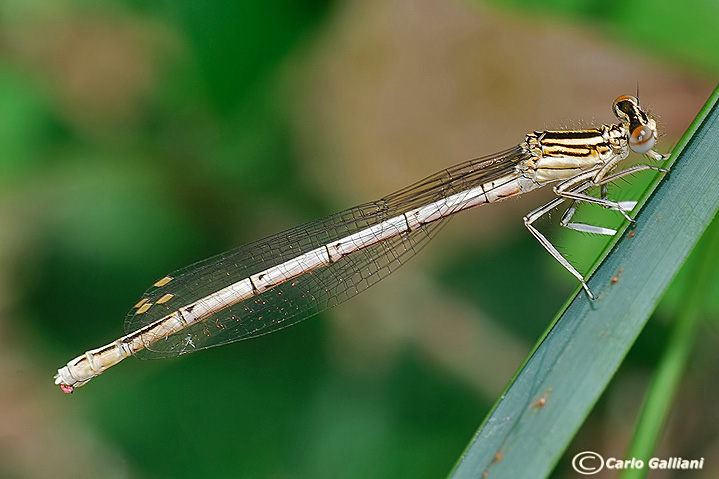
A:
[316,290]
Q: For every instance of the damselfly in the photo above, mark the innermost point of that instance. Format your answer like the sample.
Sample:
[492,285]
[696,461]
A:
[280,280]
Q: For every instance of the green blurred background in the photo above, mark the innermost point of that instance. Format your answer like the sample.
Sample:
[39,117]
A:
[139,137]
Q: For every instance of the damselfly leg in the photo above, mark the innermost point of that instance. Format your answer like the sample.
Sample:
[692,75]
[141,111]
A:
[570,190]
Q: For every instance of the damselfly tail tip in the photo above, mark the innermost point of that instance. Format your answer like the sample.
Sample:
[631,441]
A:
[66,389]
[64,386]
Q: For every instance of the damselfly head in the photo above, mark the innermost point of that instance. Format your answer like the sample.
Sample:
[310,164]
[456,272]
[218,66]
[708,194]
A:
[642,130]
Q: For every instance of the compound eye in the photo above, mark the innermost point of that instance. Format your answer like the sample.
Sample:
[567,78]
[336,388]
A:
[625,104]
[642,139]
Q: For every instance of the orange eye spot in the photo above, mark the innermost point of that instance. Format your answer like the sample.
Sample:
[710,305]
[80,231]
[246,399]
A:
[628,98]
